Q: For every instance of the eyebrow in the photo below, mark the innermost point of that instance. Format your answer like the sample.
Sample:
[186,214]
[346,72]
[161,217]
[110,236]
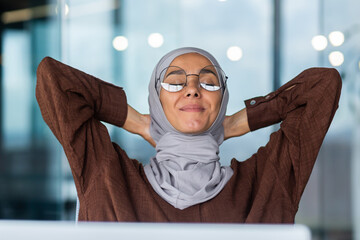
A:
[177,72]
[208,71]
[180,72]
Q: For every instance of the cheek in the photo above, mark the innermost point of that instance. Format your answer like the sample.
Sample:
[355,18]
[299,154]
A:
[215,102]
[168,102]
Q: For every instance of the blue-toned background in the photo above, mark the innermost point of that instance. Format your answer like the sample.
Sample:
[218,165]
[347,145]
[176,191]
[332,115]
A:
[260,44]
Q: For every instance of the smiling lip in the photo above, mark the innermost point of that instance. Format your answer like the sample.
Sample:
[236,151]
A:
[192,108]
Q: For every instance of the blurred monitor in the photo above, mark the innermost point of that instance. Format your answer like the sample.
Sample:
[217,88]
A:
[29,230]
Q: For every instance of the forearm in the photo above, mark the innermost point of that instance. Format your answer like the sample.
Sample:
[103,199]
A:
[305,91]
[138,123]
[134,121]
[68,96]
[236,124]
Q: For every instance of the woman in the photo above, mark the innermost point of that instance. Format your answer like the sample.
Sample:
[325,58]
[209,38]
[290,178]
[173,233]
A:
[184,181]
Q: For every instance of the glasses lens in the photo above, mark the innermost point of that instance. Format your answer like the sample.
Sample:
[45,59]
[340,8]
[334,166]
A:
[173,79]
[208,78]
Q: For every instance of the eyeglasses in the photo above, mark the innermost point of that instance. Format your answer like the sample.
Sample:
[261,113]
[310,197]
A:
[174,79]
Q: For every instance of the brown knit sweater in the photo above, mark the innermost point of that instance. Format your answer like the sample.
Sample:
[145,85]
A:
[266,188]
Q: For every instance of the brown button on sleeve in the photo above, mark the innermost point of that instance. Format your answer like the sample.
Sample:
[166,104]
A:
[261,112]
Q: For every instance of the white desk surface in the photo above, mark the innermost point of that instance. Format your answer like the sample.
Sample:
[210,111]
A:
[59,230]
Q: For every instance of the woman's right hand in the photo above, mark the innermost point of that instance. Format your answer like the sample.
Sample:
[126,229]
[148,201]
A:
[138,123]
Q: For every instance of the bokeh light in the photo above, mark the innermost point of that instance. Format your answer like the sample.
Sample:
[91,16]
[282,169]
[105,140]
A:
[155,40]
[319,42]
[234,53]
[67,9]
[120,43]
[336,38]
[336,58]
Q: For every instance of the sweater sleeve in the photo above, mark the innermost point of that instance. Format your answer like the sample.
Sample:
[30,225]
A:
[305,106]
[72,104]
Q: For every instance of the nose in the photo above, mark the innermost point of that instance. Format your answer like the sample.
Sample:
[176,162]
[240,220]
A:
[192,88]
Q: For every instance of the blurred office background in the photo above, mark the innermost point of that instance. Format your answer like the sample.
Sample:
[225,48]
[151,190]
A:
[260,44]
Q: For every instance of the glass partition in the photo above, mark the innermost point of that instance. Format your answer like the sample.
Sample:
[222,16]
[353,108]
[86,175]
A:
[120,41]
[31,175]
[326,33]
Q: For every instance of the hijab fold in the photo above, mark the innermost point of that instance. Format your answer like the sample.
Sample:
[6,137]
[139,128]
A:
[185,170]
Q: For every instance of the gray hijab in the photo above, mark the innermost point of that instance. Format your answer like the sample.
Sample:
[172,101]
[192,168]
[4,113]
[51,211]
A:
[185,170]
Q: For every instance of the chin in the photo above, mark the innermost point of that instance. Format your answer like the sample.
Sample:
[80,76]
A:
[193,129]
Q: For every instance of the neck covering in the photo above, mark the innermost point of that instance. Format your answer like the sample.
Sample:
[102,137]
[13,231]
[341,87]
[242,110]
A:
[185,170]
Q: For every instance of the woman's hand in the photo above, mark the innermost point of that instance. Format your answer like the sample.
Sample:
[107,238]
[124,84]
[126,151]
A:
[138,124]
[236,124]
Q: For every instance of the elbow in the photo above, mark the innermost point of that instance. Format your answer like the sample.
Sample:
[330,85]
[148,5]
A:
[42,75]
[328,76]
[335,77]
[334,81]
[45,69]
[338,85]
[44,66]
[326,79]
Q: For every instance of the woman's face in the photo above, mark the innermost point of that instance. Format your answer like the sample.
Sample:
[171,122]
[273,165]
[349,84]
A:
[193,109]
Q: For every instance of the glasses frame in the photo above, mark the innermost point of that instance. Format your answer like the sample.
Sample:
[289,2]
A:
[198,75]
